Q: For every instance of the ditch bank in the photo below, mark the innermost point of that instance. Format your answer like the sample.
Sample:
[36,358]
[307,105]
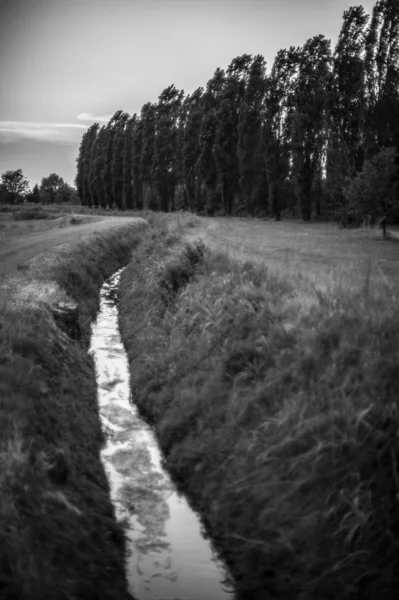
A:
[276,406]
[59,538]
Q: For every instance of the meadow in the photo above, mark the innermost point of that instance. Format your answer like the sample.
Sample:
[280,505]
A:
[267,359]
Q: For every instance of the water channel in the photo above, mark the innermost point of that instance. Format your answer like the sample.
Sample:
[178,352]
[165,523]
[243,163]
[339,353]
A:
[168,556]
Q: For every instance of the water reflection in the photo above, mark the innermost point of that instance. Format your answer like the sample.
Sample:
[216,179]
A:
[168,558]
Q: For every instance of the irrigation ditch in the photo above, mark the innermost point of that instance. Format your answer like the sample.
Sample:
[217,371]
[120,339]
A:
[167,553]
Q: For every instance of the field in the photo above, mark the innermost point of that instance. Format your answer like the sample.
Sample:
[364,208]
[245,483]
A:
[321,251]
[267,361]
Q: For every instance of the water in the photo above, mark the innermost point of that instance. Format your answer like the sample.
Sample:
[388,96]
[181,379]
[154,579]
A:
[168,557]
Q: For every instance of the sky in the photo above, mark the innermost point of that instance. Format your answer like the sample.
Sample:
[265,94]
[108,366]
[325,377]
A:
[65,64]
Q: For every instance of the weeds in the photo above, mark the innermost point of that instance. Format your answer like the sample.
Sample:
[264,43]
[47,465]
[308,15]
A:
[37,212]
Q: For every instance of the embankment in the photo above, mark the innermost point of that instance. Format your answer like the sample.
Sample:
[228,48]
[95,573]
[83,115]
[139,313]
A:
[59,538]
[275,401]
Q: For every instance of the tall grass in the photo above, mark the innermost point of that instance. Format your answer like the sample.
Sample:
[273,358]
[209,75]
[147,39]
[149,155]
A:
[275,400]
[58,535]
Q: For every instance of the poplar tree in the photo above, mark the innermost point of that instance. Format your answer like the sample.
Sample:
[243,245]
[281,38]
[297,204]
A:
[347,104]
[127,159]
[226,142]
[382,77]
[84,163]
[165,168]
[99,157]
[117,165]
[310,117]
[136,164]
[249,144]
[191,122]
[148,115]
[277,123]
[207,164]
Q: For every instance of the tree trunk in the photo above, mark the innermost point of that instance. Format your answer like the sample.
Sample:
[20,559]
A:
[211,200]
[274,199]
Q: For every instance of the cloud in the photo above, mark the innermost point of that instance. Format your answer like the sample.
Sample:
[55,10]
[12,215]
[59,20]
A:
[48,132]
[94,118]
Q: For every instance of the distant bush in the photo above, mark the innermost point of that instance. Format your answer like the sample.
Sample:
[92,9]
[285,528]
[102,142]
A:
[32,197]
[37,212]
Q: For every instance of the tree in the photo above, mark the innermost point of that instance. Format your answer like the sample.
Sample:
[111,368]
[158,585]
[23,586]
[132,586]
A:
[309,134]
[117,164]
[165,167]
[84,162]
[206,163]
[67,193]
[250,155]
[347,105]
[226,143]
[127,159]
[374,192]
[14,184]
[382,77]
[191,121]
[96,185]
[277,124]
[50,187]
[147,140]
[136,162]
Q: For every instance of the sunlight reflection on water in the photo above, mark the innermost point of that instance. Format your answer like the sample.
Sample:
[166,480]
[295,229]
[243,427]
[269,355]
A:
[168,557]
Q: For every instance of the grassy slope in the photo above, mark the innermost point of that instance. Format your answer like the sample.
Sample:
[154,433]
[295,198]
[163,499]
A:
[59,537]
[276,403]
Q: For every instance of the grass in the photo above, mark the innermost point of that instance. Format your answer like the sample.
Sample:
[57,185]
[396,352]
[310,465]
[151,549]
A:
[319,250]
[34,212]
[21,220]
[59,536]
[274,393]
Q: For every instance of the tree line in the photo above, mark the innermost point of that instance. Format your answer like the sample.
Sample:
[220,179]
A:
[316,134]
[14,188]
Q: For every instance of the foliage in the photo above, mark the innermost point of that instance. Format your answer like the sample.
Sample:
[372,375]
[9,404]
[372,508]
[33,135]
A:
[53,189]
[14,185]
[249,148]
[309,120]
[165,166]
[374,192]
[277,124]
[190,131]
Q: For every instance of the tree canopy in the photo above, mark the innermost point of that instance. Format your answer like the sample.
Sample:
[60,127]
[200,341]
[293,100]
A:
[14,185]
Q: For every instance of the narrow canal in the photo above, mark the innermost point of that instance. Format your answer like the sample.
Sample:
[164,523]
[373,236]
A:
[168,556]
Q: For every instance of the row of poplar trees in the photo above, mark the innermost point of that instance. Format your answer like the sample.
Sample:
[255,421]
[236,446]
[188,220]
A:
[255,139]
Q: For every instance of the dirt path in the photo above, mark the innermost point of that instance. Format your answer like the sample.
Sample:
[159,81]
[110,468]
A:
[18,250]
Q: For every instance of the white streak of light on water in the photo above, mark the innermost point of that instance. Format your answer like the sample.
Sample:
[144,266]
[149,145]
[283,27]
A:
[169,559]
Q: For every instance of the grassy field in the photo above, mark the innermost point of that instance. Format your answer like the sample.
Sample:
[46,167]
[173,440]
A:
[270,373]
[59,537]
[321,251]
[22,220]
